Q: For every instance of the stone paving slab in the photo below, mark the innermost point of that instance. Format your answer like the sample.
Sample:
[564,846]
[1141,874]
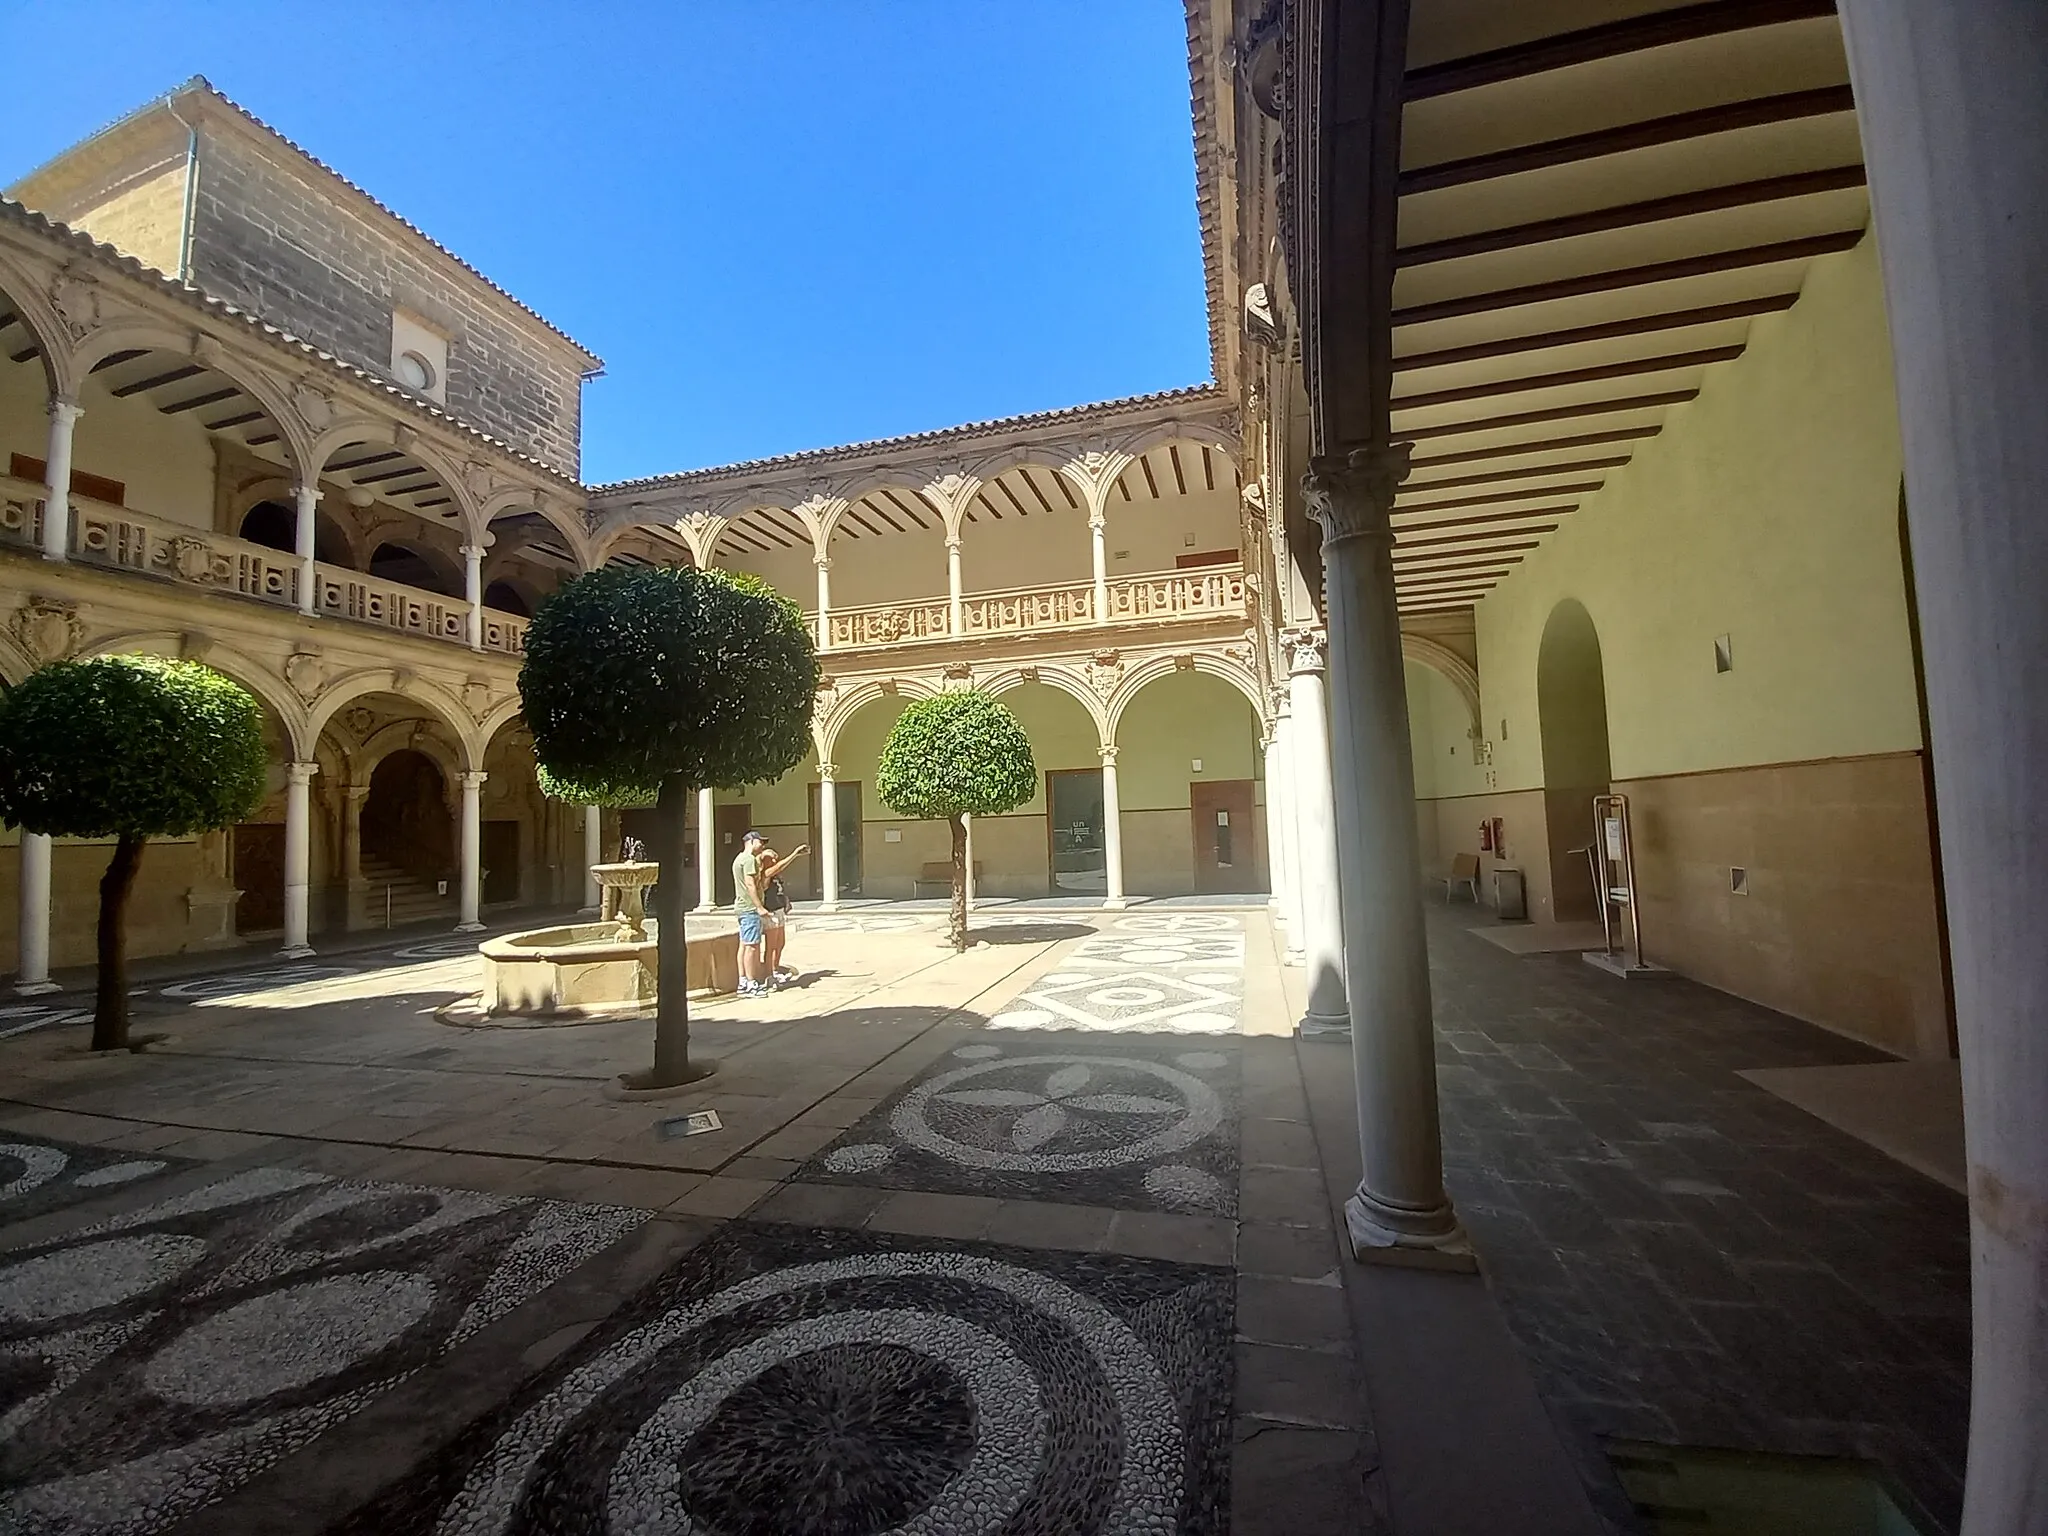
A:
[159,1358]
[1139,1122]
[814,1381]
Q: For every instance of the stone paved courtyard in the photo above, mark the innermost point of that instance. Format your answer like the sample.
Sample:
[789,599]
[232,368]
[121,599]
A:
[1038,1238]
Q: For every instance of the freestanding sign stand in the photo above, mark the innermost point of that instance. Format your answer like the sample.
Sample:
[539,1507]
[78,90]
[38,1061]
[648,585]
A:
[1614,882]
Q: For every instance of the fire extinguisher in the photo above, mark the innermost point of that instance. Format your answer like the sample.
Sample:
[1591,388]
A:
[1486,836]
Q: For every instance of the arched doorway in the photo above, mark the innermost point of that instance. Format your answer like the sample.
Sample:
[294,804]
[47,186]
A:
[276,526]
[1571,712]
[405,819]
[1190,775]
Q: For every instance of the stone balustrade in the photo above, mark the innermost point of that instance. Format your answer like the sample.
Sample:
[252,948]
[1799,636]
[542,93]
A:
[1211,593]
[107,535]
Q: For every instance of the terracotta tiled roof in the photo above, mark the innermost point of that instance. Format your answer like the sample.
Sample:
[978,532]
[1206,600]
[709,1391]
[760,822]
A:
[201,83]
[78,239]
[1199,394]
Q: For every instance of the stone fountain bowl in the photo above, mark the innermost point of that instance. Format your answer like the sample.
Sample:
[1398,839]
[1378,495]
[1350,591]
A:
[586,968]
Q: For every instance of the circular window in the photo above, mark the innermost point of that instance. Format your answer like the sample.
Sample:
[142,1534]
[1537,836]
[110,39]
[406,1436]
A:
[415,372]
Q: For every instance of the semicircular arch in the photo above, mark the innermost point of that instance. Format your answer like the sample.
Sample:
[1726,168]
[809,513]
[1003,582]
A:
[1153,668]
[1060,680]
[441,705]
[827,728]
[148,335]
[25,297]
[1441,659]
[274,693]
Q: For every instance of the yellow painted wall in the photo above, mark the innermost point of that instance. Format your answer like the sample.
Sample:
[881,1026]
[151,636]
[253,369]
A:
[1767,511]
[145,217]
[167,462]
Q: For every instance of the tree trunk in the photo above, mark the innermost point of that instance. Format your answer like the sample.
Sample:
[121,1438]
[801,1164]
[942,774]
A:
[110,1008]
[672,1064]
[957,921]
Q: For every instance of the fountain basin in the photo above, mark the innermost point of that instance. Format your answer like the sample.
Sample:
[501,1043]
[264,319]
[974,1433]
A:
[588,968]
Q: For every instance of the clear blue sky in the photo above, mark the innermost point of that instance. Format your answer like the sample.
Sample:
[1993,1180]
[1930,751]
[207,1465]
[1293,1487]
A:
[782,224]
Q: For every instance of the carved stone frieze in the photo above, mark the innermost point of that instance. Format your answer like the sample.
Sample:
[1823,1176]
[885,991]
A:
[315,406]
[1104,670]
[1352,495]
[76,296]
[306,673]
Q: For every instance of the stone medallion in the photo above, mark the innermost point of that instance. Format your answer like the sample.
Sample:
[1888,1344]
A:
[154,1362]
[1057,1116]
[783,1381]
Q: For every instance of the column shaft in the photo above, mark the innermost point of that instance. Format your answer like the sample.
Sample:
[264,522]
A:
[1098,544]
[305,544]
[32,977]
[1315,815]
[593,855]
[956,619]
[828,836]
[707,851]
[298,856]
[1952,100]
[64,416]
[472,852]
[824,565]
[1290,833]
[1276,848]
[473,593]
[1400,1202]
[1112,833]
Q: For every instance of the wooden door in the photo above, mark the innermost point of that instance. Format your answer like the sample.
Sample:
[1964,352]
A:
[846,799]
[257,852]
[729,824]
[1226,847]
[500,853]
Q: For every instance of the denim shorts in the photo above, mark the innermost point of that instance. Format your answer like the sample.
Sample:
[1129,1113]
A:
[750,927]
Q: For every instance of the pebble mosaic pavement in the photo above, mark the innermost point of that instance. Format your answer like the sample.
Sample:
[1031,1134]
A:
[818,1382]
[38,1175]
[152,1362]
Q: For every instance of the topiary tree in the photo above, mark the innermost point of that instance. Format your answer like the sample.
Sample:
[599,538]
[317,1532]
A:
[127,747]
[650,683]
[959,754]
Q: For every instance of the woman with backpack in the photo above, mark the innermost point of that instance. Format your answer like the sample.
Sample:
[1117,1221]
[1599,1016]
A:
[775,915]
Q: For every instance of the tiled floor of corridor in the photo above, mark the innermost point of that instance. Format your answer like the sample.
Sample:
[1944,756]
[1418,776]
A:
[1036,1238]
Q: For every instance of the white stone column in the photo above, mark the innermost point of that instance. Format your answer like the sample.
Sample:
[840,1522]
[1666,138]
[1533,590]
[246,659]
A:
[1952,100]
[473,593]
[1315,820]
[1400,1207]
[32,977]
[828,837]
[707,851]
[1099,552]
[1276,849]
[470,920]
[298,857]
[305,542]
[967,875]
[956,619]
[1291,922]
[1112,834]
[593,855]
[64,414]
[824,565]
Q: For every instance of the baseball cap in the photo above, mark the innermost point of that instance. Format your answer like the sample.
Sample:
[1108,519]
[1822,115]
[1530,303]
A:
[751,836]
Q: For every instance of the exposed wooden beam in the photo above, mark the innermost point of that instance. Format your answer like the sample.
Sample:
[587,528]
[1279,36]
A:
[1670,362]
[387,474]
[116,359]
[374,458]
[1151,481]
[1480,520]
[1440,584]
[1583,487]
[1431,608]
[1011,497]
[156,380]
[1407,551]
[1025,472]
[1655,210]
[1632,277]
[1547,445]
[1555,413]
[1756,112]
[234,421]
[1658,29]
[1640,325]
[28,352]
[212,397]
[1497,476]
[1180,476]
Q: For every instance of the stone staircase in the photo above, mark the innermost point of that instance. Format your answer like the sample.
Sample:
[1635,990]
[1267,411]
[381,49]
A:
[413,900]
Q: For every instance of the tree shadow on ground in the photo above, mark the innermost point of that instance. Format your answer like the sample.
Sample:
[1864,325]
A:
[1028,933]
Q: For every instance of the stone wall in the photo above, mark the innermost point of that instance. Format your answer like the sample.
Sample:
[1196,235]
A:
[270,237]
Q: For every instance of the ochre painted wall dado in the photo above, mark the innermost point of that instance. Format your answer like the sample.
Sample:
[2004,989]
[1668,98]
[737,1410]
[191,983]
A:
[1766,512]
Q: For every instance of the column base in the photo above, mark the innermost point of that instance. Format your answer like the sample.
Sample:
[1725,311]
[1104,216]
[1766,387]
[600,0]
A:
[1115,903]
[828,906]
[1315,1026]
[296,952]
[1375,1241]
[35,988]
[469,927]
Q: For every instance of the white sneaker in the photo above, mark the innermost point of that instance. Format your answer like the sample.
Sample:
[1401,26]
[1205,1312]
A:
[782,973]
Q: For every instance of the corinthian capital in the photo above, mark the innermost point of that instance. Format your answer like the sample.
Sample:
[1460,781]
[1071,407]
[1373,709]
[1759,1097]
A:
[1306,650]
[1352,494]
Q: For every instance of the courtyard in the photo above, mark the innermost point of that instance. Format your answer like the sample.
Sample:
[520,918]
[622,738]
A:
[1037,1237]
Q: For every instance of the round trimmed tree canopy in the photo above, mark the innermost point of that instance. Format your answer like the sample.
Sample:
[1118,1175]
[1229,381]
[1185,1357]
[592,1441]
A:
[953,755]
[129,746]
[635,676]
